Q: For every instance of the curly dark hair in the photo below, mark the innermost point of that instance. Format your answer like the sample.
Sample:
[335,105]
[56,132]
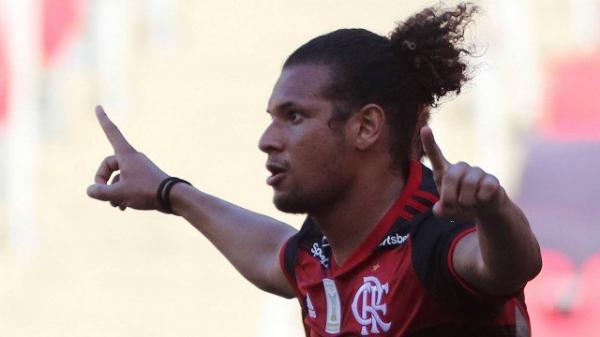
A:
[406,73]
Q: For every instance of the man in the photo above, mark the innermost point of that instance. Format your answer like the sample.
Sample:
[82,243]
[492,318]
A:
[389,247]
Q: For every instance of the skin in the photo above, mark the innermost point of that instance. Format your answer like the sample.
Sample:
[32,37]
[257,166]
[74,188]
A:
[302,146]
[340,175]
[503,254]
[250,241]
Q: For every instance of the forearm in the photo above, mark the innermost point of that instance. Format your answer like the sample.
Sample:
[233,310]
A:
[510,254]
[250,241]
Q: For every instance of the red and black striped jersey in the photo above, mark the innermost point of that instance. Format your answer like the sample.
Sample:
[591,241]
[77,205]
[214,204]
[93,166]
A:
[400,282]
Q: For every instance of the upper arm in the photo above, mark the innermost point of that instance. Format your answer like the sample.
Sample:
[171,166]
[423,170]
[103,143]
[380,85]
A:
[278,283]
[468,263]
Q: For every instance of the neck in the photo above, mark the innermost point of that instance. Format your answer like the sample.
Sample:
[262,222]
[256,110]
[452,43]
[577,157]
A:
[352,218]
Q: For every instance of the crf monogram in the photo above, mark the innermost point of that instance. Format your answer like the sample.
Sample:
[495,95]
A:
[367,306]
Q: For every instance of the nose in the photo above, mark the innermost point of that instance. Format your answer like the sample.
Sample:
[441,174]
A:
[271,141]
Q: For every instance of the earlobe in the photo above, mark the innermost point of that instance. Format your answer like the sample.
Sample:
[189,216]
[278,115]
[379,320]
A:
[369,125]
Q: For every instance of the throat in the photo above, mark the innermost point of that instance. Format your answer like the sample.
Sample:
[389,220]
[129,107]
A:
[346,244]
[349,221]
[347,228]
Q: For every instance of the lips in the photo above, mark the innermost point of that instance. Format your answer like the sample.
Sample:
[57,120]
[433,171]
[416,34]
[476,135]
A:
[278,170]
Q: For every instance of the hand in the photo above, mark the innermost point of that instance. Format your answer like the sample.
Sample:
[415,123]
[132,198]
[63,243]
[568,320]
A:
[137,181]
[466,192]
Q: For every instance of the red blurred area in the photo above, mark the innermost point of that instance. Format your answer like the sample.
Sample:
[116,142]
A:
[573,100]
[60,21]
[565,300]
[4,79]
[559,195]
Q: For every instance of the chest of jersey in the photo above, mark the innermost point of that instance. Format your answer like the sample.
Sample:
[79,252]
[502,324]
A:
[379,296]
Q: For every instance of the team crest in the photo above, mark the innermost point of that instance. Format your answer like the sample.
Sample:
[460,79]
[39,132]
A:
[368,306]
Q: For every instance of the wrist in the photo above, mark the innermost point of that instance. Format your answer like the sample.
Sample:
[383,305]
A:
[181,196]
[497,213]
[164,195]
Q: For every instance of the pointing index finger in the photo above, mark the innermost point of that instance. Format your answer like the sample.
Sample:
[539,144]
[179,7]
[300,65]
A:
[432,150]
[112,132]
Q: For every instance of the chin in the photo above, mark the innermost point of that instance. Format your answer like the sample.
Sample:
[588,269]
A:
[289,206]
[296,203]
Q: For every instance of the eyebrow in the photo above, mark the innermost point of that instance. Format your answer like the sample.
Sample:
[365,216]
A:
[283,105]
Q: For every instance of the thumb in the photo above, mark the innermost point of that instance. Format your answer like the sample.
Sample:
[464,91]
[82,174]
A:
[101,192]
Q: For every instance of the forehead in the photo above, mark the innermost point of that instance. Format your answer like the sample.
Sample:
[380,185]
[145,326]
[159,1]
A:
[300,84]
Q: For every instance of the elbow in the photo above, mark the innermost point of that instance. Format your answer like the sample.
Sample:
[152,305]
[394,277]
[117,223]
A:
[285,293]
[528,272]
[507,281]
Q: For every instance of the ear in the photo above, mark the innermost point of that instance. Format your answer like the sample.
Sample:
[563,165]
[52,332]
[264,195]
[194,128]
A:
[368,126]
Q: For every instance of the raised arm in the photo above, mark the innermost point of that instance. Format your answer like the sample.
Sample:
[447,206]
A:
[250,241]
[503,254]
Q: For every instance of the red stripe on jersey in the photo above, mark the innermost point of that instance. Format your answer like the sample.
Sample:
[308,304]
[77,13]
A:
[405,215]
[453,271]
[417,205]
[464,282]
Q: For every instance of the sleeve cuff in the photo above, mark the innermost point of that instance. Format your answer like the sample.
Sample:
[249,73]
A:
[466,285]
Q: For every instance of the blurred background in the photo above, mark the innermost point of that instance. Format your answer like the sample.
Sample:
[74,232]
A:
[188,81]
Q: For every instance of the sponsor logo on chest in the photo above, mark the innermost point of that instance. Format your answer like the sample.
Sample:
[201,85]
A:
[321,251]
[317,252]
[394,240]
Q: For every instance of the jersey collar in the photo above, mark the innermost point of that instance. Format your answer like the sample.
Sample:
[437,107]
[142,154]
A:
[418,192]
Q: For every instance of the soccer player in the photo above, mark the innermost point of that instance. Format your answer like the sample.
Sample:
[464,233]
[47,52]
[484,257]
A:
[389,247]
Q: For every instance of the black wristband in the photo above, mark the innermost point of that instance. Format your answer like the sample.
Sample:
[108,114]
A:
[163,191]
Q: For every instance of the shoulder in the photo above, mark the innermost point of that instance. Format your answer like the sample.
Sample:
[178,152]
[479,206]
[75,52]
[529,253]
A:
[309,238]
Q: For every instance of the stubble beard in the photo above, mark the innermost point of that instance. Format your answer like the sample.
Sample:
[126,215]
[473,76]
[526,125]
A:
[295,203]
[299,201]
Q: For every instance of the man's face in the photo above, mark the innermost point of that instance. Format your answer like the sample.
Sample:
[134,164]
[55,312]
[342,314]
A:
[307,155]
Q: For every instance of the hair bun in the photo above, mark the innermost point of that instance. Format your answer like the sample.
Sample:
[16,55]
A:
[429,44]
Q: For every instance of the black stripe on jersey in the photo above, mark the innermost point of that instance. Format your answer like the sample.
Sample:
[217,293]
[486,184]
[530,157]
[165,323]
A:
[400,232]
[427,183]
[291,249]
[425,202]
[410,209]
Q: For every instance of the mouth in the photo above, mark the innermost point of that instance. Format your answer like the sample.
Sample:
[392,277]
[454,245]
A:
[277,170]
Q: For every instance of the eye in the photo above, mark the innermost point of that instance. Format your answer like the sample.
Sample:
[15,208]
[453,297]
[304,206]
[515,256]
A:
[294,116]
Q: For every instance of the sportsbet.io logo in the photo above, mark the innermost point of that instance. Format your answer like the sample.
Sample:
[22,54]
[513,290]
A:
[394,240]
[367,306]
[320,254]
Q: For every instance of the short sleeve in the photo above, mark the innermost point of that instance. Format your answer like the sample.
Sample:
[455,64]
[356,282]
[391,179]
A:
[433,240]
[287,261]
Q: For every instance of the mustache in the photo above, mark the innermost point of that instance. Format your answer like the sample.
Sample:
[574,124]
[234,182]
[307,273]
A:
[277,164]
